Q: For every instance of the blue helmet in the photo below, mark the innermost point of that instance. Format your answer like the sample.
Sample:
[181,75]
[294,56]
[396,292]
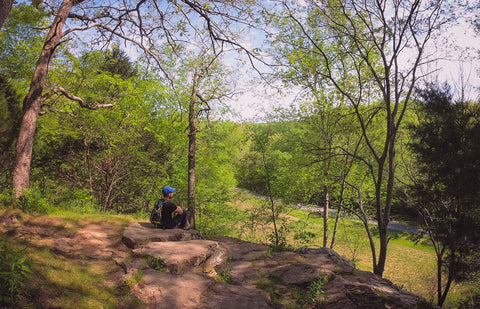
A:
[167,190]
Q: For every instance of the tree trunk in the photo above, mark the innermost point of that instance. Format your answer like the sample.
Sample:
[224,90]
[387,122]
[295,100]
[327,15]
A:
[192,149]
[379,268]
[439,279]
[33,101]
[339,210]
[326,209]
[442,296]
[384,216]
[5,8]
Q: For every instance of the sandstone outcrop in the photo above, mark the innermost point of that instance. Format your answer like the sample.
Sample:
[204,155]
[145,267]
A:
[258,278]
[181,269]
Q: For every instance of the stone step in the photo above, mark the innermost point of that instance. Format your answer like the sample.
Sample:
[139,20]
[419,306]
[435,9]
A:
[139,234]
[197,256]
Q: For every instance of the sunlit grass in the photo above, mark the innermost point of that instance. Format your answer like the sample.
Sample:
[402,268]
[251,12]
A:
[59,281]
[72,283]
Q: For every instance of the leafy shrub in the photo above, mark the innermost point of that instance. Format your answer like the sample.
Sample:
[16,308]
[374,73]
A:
[278,241]
[15,267]
[470,298]
[34,201]
[214,219]
[305,237]
[6,197]
[313,296]
[225,275]
[127,285]
[78,201]
[156,263]
[424,304]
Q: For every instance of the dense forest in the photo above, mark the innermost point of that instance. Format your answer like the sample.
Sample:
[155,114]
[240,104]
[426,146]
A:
[102,105]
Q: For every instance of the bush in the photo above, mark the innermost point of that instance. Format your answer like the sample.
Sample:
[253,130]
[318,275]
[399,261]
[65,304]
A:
[313,296]
[15,267]
[215,219]
[6,197]
[33,201]
[77,200]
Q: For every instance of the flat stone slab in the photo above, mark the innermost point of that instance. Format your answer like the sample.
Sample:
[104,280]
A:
[243,250]
[223,295]
[198,256]
[164,290]
[139,234]
[188,291]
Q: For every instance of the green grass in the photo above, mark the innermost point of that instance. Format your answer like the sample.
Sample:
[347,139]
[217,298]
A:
[71,282]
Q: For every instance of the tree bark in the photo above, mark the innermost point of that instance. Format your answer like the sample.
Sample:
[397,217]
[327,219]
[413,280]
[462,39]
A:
[326,209]
[5,8]
[339,211]
[33,101]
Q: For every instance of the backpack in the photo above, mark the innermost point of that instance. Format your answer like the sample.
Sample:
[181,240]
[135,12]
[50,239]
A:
[156,215]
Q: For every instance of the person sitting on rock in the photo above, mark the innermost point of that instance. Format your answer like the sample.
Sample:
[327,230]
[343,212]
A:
[169,221]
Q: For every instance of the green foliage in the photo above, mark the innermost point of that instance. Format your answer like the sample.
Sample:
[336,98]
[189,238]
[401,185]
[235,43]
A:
[42,201]
[305,237]
[156,263]
[6,197]
[10,118]
[15,268]
[225,275]
[117,62]
[447,189]
[20,43]
[470,299]
[354,237]
[77,200]
[275,292]
[424,304]
[114,157]
[312,296]
[266,168]
[126,286]
[34,201]
[277,239]
[215,218]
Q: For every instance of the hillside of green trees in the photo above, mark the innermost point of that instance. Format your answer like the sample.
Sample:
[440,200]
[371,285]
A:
[101,106]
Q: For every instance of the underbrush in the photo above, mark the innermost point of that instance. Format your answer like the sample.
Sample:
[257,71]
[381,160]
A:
[15,270]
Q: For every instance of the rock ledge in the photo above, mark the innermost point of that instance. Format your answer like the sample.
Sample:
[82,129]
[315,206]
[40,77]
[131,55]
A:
[258,278]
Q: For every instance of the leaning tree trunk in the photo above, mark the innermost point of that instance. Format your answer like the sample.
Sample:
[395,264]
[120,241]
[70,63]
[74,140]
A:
[33,101]
[339,211]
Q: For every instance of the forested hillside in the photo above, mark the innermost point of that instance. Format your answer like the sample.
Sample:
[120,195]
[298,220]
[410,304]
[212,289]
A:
[102,105]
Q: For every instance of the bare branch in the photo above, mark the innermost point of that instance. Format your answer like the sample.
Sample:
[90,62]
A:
[62,91]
